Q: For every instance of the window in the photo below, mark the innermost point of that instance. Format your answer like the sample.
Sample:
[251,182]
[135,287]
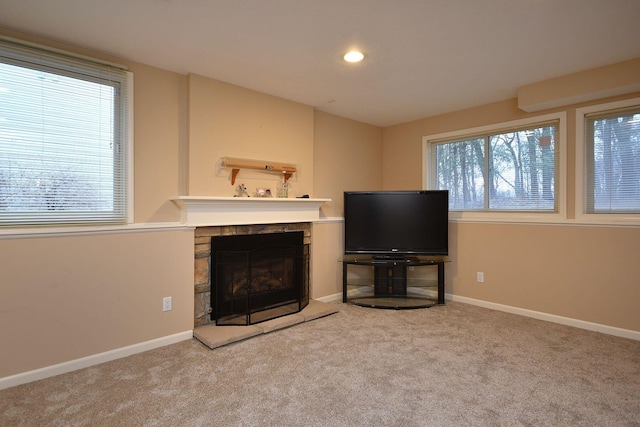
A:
[608,156]
[64,138]
[507,169]
[613,162]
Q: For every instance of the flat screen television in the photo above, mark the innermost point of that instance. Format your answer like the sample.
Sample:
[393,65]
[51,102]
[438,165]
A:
[396,223]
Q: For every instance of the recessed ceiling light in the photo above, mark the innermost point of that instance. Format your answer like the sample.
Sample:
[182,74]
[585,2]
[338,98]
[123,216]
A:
[353,56]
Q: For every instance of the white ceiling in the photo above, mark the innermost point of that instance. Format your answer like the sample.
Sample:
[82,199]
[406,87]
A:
[423,57]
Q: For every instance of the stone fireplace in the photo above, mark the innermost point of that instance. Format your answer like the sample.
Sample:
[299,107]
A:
[205,292]
[226,216]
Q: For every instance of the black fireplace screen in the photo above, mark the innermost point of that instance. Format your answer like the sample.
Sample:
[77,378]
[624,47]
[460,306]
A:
[258,277]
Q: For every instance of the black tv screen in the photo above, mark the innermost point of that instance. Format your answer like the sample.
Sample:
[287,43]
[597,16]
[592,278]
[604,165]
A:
[396,223]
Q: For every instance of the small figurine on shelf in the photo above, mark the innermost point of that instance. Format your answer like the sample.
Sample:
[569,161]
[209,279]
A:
[241,191]
[263,192]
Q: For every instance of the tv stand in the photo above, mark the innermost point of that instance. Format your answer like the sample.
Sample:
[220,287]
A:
[394,283]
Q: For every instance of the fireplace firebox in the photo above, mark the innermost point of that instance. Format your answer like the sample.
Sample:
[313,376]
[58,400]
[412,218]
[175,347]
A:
[258,277]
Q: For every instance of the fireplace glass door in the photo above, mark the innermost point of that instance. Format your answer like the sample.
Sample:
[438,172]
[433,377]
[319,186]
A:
[258,277]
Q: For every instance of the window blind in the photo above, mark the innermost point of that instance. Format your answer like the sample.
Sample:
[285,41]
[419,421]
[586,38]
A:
[63,138]
[613,161]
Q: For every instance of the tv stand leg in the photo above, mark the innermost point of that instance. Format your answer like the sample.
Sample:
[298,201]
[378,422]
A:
[440,282]
[344,282]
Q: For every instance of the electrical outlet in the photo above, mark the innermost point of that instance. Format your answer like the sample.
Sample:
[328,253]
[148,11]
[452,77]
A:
[480,277]
[166,304]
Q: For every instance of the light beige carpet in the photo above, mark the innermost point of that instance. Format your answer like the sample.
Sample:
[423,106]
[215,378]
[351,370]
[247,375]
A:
[452,365]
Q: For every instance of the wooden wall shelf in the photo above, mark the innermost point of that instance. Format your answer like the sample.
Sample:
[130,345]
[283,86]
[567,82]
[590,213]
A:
[235,164]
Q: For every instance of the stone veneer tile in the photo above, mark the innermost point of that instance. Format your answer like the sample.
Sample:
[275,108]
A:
[204,287]
[201,271]
[200,304]
[203,249]
[209,231]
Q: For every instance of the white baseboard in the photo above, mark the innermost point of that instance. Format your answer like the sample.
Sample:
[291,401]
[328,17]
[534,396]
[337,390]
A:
[597,327]
[95,359]
[330,298]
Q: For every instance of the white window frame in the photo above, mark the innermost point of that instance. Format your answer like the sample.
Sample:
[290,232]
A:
[581,140]
[429,162]
[57,227]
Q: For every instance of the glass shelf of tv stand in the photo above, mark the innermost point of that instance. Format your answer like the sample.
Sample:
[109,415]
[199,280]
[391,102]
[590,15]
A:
[393,283]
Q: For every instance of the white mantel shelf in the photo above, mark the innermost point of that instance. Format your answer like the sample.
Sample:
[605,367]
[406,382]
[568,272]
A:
[201,211]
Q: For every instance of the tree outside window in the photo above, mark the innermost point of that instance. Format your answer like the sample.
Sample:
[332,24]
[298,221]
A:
[505,171]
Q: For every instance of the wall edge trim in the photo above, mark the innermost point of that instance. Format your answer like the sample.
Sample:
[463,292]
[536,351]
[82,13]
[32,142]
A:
[330,298]
[94,359]
[567,321]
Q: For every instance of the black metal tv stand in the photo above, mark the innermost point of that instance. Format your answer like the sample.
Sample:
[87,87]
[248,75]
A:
[393,283]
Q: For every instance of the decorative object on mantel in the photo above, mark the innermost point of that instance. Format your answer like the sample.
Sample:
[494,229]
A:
[241,191]
[235,164]
[282,190]
[263,192]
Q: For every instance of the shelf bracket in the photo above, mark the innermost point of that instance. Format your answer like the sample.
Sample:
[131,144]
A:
[234,173]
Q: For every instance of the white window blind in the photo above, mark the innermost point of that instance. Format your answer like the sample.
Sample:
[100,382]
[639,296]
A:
[512,169]
[63,138]
[613,161]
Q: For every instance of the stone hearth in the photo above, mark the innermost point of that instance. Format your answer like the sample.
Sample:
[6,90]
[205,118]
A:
[214,336]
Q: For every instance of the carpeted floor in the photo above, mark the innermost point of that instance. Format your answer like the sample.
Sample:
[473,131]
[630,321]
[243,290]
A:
[453,365]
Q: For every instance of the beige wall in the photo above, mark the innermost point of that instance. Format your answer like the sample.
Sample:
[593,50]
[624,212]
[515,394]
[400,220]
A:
[159,138]
[65,298]
[327,247]
[585,273]
[597,83]
[347,156]
[581,272]
[230,121]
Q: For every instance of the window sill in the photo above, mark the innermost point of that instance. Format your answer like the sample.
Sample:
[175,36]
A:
[508,217]
[613,220]
[543,219]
